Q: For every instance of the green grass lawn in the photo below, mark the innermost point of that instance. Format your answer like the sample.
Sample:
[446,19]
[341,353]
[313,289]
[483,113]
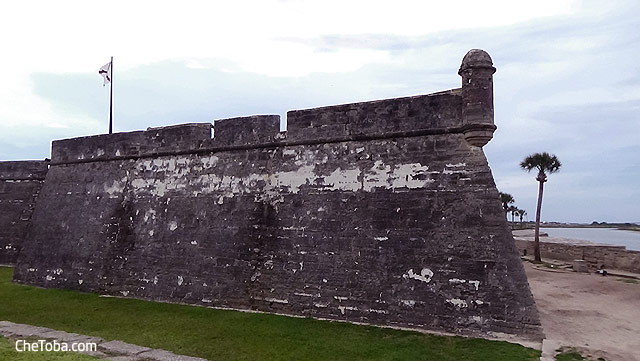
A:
[222,335]
[8,352]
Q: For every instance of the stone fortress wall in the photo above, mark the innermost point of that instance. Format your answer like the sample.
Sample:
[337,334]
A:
[20,183]
[381,212]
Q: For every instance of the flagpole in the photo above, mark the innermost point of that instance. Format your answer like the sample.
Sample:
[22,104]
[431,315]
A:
[111,100]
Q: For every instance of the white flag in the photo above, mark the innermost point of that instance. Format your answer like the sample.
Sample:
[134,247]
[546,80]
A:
[105,71]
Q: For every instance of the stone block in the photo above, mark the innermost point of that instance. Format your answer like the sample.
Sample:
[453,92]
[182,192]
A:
[580,265]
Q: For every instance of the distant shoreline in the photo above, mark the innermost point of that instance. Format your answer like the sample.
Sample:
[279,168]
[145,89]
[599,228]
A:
[621,226]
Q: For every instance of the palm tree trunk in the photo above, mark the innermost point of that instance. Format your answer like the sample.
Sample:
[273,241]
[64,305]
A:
[536,243]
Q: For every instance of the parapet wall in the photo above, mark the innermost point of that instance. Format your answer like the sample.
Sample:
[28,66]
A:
[20,183]
[153,141]
[382,212]
[439,113]
[595,256]
[434,113]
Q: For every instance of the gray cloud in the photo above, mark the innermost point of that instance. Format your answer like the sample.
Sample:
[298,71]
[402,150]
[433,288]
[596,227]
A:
[566,85]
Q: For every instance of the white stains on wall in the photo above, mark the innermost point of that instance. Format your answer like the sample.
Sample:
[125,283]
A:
[458,281]
[412,175]
[274,300]
[115,188]
[289,152]
[424,276]
[206,300]
[173,171]
[381,238]
[455,168]
[351,308]
[293,180]
[209,162]
[150,214]
[409,303]
[348,308]
[458,302]
[173,225]
[180,280]
[346,180]
[371,310]
[457,165]
[475,283]
[255,276]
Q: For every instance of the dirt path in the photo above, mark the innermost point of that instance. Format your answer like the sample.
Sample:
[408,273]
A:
[599,315]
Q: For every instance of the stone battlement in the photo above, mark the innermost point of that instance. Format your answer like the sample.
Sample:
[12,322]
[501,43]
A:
[24,170]
[438,113]
[131,144]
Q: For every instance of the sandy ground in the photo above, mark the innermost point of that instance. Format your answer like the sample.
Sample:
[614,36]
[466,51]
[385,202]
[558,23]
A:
[595,314]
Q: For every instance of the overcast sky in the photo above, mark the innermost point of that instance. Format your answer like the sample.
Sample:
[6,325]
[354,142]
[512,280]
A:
[567,80]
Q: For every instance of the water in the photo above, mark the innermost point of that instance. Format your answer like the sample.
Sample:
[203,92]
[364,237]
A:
[629,239]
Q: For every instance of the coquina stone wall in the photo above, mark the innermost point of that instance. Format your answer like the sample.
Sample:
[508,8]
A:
[382,212]
[20,183]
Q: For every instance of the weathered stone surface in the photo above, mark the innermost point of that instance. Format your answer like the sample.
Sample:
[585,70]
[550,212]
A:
[123,358]
[119,347]
[433,113]
[161,355]
[257,129]
[69,337]
[20,183]
[4,324]
[17,329]
[153,141]
[380,212]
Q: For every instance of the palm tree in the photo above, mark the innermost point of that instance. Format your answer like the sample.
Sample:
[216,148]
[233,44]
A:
[513,210]
[544,163]
[506,199]
[521,214]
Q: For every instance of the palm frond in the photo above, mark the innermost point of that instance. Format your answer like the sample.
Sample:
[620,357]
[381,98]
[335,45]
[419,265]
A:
[544,162]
